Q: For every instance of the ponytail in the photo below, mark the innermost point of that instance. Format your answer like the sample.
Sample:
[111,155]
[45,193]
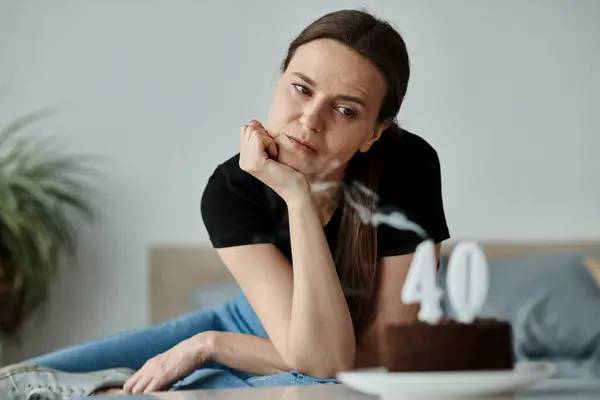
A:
[356,255]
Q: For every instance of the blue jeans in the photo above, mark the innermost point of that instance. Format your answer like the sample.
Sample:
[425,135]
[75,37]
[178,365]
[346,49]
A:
[132,350]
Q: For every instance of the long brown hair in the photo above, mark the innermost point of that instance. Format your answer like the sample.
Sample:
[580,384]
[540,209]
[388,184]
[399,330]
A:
[356,252]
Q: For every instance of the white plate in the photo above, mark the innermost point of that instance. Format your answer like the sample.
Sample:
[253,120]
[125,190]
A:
[568,385]
[402,385]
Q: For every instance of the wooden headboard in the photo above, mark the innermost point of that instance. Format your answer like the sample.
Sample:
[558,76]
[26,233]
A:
[175,271]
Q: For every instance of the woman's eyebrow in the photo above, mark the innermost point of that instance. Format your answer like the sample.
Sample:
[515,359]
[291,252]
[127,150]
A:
[305,78]
[353,99]
[311,82]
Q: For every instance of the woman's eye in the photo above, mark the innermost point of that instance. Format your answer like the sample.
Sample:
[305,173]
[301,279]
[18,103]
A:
[347,112]
[302,89]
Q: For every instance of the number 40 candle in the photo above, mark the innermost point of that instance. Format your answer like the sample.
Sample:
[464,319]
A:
[467,282]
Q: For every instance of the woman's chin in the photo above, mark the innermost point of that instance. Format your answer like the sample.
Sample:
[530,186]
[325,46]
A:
[289,159]
[305,167]
[312,168]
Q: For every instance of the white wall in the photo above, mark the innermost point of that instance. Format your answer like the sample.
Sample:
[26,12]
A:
[506,92]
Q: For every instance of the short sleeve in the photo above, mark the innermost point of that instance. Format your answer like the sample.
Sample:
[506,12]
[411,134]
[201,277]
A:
[232,211]
[411,188]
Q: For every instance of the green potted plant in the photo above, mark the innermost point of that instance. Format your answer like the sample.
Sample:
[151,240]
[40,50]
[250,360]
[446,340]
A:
[43,191]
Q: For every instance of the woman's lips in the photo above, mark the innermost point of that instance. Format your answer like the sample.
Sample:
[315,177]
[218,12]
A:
[302,145]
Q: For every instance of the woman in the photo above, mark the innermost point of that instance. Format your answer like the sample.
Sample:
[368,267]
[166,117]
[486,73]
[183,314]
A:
[293,217]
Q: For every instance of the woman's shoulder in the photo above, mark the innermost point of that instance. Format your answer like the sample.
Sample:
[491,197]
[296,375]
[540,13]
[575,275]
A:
[409,146]
[236,207]
[229,175]
[229,170]
[411,184]
[230,185]
[409,158]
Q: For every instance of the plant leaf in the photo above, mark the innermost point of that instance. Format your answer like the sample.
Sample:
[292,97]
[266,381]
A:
[43,191]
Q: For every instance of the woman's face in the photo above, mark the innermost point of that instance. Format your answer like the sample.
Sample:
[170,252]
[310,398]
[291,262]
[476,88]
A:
[325,108]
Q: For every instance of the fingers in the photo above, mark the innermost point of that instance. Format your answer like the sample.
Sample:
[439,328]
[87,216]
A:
[253,125]
[257,125]
[269,145]
[154,385]
[145,380]
[142,384]
[131,382]
[255,131]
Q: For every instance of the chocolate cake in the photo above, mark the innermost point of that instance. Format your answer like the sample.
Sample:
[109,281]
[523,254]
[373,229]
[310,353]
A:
[449,345]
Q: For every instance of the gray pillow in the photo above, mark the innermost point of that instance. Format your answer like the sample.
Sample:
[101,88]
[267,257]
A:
[551,300]
[213,295]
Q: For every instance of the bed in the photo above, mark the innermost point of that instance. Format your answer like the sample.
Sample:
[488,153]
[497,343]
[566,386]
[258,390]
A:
[176,271]
[558,283]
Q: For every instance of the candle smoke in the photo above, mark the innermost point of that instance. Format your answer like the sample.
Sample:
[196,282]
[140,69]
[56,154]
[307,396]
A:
[357,190]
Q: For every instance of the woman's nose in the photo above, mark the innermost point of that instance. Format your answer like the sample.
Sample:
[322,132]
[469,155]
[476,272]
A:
[312,117]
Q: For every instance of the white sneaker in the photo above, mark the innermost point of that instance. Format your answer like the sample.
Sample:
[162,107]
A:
[34,382]
[43,394]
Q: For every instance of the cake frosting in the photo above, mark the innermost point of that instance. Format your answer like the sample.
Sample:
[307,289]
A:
[448,345]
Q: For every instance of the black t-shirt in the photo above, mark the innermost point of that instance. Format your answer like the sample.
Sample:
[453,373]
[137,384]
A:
[239,209]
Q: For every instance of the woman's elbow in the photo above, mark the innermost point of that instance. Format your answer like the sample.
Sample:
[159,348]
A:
[323,367]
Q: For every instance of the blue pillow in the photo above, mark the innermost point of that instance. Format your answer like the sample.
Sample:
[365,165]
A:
[551,300]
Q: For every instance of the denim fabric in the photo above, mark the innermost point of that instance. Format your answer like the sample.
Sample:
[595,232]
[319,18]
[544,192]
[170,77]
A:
[212,378]
[133,348]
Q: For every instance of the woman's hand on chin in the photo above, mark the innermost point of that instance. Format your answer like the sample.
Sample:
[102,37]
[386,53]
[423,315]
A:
[258,157]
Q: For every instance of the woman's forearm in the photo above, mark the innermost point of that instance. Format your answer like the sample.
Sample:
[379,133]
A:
[252,354]
[321,336]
